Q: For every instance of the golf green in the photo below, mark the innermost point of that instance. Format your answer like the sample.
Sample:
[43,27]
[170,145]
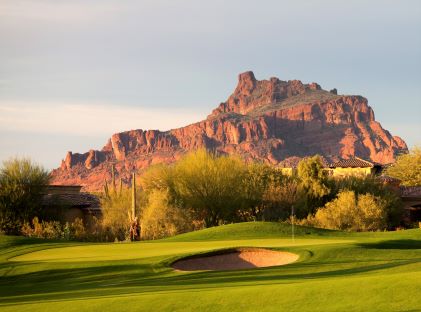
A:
[336,271]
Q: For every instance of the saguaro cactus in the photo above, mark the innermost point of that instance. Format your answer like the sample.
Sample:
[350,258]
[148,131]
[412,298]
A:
[106,192]
[133,195]
[113,177]
[121,186]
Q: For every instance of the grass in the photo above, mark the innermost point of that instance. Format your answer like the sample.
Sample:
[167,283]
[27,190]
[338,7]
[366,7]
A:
[337,271]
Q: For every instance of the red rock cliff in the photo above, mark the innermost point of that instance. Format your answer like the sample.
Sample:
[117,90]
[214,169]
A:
[269,120]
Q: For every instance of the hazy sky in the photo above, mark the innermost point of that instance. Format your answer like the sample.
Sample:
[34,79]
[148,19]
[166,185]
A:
[73,72]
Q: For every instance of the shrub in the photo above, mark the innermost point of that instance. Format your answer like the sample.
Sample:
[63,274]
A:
[55,230]
[352,213]
[161,219]
[116,209]
[116,212]
[371,185]
[43,229]
[21,185]
[77,230]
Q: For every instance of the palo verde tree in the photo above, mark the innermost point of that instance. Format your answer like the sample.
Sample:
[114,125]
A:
[21,185]
[210,185]
[407,168]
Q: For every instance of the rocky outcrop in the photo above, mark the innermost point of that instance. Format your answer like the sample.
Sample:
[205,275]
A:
[270,120]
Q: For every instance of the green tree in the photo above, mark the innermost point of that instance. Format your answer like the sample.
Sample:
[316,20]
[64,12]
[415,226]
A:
[210,185]
[281,194]
[312,184]
[407,168]
[21,186]
[255,184]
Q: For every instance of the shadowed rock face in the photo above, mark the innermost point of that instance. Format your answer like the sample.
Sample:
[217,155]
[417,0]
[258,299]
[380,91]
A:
[269,120]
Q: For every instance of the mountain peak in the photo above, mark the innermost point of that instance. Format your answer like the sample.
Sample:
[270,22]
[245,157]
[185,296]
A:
[251,94]
[246,83]
[266,120]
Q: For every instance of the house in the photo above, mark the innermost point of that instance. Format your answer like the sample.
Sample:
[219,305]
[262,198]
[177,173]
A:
[411,198]
[345,167]
[353,167]
[67,202]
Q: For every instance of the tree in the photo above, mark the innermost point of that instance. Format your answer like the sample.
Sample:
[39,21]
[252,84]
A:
[21,186]
[210,185]
[407,168]
[281,194]
[312,184]
[255,183]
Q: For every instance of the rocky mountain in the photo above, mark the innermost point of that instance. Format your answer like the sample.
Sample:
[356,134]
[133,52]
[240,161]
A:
[269,120]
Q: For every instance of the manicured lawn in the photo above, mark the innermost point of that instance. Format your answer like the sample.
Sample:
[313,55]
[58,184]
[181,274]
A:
[336,272]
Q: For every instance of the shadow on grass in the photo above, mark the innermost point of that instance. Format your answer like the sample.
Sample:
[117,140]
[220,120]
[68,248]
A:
[123,279]
[393,244]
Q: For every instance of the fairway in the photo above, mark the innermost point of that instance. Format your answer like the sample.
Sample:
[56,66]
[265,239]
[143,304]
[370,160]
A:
[336,271]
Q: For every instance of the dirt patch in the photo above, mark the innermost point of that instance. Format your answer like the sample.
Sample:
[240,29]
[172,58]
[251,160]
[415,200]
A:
[235,259]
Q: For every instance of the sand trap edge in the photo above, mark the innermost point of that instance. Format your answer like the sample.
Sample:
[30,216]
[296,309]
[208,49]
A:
[291,258]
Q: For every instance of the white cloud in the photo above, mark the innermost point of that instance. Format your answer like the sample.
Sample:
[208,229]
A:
[89,119]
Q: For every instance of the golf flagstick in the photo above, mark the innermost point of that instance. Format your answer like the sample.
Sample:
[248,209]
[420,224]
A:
[292,223]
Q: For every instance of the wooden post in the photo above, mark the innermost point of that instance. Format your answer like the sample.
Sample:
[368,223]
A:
[133,195]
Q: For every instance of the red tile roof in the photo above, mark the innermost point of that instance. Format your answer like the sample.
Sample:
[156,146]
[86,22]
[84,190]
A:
[352,163]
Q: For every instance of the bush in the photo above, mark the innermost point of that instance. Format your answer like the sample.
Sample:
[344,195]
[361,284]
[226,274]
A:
[77,230]
[116,210]
[55,230]
[371,185]
[407,168]
[161,219]
[43,229]
[21,185]
[352,213]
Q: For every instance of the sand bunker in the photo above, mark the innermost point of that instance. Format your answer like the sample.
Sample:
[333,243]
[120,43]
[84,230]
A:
[235,259]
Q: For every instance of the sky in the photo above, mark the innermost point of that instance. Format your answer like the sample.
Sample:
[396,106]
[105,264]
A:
[73,72]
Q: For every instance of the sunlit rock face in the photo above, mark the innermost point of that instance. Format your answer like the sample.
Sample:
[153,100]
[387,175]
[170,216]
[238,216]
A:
[267,120]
